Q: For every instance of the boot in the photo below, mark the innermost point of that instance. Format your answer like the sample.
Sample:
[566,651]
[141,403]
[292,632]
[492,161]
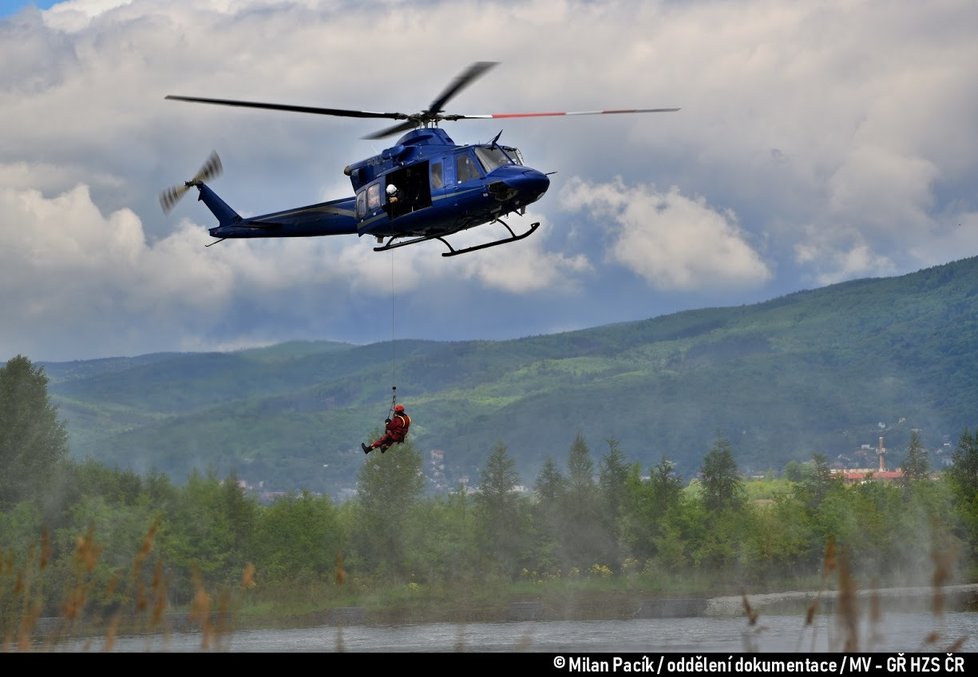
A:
[365,448]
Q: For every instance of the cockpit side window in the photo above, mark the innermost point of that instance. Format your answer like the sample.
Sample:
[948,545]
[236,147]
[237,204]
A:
[496,156]
[514,154]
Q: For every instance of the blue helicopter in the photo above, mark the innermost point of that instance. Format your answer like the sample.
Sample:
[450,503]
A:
[425,187]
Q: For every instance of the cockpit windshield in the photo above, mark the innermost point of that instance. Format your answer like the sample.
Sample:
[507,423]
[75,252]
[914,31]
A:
[497,156]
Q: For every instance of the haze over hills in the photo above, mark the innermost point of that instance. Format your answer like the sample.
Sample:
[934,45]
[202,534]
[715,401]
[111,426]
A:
[821,371]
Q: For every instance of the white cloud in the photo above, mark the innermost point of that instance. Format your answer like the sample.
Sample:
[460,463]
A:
[838,254]
[66,265]
[519,268]
[524,267]
[74,11]
[672,241]
[70,273]
[818,141]
[883,189]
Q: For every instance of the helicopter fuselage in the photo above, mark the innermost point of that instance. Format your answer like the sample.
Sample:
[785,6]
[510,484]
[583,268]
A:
[426,186]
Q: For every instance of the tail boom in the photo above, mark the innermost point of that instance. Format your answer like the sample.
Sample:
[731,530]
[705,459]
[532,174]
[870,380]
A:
[326,218]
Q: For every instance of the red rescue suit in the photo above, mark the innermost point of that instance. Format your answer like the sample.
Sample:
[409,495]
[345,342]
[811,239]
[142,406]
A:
[394,433]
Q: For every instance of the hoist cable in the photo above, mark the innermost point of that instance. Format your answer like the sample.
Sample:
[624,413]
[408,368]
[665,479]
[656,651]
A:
[393,338]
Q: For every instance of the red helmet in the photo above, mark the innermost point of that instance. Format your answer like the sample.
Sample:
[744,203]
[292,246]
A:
[398,408]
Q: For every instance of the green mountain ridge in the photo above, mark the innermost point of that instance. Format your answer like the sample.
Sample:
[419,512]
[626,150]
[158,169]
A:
[818,371]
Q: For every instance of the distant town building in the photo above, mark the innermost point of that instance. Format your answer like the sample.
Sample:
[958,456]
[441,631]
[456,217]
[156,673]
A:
[436,469]
[860,475]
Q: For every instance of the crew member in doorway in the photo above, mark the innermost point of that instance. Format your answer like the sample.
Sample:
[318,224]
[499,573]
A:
[394,433]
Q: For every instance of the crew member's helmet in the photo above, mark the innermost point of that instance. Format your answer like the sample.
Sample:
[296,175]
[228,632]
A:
[399,408]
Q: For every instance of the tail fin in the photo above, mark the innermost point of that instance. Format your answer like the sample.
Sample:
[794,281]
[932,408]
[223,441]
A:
[219,208]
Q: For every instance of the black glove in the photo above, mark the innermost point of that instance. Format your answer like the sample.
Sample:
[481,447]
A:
[387,420]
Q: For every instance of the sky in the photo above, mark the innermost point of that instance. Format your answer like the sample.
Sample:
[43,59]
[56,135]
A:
[817,142]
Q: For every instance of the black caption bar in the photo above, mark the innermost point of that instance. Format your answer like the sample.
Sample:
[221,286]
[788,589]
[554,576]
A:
[758,664]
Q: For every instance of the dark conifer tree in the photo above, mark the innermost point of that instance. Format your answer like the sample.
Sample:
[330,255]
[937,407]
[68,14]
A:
[33,442]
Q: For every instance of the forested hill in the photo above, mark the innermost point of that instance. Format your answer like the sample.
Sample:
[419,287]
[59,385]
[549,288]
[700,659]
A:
[822,371]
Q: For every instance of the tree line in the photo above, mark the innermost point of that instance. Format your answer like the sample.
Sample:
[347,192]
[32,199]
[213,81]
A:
[77,533]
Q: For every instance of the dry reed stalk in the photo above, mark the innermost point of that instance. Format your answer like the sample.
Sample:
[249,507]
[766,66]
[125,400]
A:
[829,564]
[158,587]
[200,610]
[848,614]
[248,577]
[752,616]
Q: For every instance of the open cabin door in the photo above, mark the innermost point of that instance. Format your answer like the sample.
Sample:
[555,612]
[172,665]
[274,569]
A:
[413,189]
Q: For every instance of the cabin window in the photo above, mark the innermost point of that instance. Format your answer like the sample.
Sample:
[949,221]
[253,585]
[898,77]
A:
[465,169]
[361,204]
[373,196]
[437,179]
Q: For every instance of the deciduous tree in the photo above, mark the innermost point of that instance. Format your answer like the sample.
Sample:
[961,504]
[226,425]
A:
[388,488]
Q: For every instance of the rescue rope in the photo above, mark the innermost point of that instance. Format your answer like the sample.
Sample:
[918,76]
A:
[393,337]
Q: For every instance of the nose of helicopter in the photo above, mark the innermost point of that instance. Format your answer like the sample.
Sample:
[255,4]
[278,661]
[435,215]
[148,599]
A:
[534,184]
[524,184]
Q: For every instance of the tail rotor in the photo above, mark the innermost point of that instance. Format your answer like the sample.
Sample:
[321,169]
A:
[172,195]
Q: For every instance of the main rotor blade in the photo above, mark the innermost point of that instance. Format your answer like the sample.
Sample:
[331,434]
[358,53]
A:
[391,131]
[491,116]
[460,82]
[341,112]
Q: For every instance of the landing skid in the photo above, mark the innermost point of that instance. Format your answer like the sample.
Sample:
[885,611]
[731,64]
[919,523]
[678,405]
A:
[455,252]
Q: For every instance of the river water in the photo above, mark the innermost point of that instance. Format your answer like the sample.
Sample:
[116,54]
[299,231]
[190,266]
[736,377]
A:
[896,632]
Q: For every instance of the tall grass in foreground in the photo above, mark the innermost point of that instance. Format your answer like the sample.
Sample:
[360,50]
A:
[97,604]
[848,613]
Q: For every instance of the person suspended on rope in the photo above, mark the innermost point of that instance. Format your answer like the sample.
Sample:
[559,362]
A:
[394,433]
